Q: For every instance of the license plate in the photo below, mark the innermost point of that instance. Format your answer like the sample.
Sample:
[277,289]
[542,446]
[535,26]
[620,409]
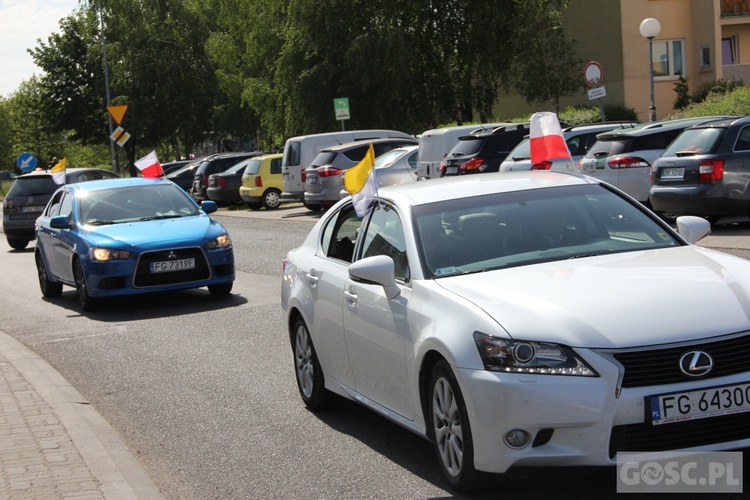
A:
[703,403]
[451,170]
[673,173]
[168,266]
[599,164]
[32,209]
[312,180]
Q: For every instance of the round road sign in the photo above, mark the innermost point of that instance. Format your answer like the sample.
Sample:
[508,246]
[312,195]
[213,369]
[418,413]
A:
[26,162]
[593,74]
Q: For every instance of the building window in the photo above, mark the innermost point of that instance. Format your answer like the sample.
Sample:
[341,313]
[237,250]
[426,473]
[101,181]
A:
[705,57]
[729,50]
[669,59]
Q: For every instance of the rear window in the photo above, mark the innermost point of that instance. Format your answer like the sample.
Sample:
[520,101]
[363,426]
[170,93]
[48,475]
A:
[522,151]
[323,158]
[696,141]
[608,148]
[33,186]
[654,141]
[467,146]
[356,154]
[253,167]
[291,153]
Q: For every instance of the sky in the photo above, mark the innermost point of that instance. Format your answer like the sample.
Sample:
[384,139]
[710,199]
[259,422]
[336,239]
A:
[22,22]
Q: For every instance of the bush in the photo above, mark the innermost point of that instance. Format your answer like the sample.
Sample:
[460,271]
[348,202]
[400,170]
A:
[720,87]
[579,115]
[735,103]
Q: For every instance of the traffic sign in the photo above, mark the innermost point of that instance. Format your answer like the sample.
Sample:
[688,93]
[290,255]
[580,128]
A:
[26,162]
[117,112]
[593,74]
[120,136]
[597,93]
[341,106]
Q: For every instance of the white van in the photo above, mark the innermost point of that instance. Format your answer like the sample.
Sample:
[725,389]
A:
[300,151]
[436,143]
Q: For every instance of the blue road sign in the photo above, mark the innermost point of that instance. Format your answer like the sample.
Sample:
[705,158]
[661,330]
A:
[26,162]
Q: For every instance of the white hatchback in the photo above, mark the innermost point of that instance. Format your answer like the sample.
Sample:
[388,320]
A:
[523,319]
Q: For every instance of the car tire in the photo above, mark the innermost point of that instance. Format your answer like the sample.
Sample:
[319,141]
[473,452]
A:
[50,289]
[86,302]
[17,244]
[449,428]
[221,289]
[272,199]
[309,374]
[313,207]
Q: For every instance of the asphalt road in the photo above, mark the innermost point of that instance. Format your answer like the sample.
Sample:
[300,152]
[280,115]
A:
[203,392]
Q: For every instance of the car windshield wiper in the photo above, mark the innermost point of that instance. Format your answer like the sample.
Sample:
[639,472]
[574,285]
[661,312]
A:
[162,216]
[100,222]
[591,254]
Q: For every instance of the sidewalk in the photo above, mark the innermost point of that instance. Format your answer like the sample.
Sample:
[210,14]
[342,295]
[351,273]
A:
[53,443]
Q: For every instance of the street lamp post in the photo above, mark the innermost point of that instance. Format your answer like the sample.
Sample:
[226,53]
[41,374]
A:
[106,86]
[650,28]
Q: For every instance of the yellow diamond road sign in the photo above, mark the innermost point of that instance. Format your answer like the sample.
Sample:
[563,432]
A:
[120,136]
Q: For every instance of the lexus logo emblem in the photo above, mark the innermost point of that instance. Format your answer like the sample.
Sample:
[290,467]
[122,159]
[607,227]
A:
[171,255]
[696,363]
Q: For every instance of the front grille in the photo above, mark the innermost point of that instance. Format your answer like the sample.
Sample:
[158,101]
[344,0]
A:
[650,367]
[145,278]
[701,432]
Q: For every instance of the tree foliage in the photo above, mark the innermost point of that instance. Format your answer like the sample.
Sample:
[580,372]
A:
[258,71]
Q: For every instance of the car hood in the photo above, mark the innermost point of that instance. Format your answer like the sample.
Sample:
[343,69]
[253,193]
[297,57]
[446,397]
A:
[190,231]
[622,300]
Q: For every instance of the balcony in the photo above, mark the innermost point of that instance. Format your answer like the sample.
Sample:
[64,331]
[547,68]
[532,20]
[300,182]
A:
[733,8]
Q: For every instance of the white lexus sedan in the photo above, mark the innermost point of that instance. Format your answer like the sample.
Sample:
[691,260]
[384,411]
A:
[523,319]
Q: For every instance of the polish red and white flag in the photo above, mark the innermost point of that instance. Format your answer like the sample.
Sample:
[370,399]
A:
[546,141]
[149,165]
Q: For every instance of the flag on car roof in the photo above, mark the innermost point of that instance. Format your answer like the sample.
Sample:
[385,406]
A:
[58,171]
[149,165]
[546,140]
[359,181]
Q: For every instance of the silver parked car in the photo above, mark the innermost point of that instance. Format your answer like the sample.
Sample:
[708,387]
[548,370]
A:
[323,179]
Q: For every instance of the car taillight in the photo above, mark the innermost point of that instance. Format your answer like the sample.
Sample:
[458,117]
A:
[328,171]
[627,162]
[258,182]
[441,168]
[304,176]
[472,164]
[204,180]
[222,182]
[711,170]
[544,165]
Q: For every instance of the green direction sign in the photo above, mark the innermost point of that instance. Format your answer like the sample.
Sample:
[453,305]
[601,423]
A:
[341,106]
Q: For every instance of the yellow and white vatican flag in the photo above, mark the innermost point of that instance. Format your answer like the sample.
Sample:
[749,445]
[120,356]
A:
[58,171]
[359,181]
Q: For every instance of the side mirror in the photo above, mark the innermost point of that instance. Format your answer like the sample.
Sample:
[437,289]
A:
[59,222]
[376,270]
[209,206]
[693,228]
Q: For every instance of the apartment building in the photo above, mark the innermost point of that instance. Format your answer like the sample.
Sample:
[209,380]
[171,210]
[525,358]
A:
[702,40]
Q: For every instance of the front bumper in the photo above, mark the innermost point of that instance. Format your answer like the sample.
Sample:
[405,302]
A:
[572,421]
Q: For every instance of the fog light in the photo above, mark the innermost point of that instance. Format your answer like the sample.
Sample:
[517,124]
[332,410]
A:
[517,438]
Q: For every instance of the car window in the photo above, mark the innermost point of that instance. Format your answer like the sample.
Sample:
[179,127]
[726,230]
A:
[324,158]
[387,157]
[236,168]
[695,141]
[521,228]
[54,205]
[466,146]
[356,154]
[131,204]
[276,166]
[253,167]
[522,151]
[412,160]
[608,147]
[743,141]
[385,236]
[66,206]
[654,141]
[291,153]
[340,234]
[36,185]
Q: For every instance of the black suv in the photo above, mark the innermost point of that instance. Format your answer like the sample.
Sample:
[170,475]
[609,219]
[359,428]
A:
[482,152]
[215,164]
[704,171]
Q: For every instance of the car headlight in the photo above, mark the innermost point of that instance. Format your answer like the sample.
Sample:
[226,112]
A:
[223,241]
[520,356]
[107,254]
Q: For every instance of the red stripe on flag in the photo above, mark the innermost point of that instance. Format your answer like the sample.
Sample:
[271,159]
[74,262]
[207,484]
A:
[548,147]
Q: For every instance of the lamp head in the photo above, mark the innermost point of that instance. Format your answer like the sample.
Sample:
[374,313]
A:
[650,28]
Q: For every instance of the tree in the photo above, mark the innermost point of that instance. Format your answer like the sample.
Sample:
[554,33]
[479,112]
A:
[545,65]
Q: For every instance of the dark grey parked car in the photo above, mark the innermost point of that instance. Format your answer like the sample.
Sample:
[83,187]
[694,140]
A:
[28,196]
[705,171]
[215,164]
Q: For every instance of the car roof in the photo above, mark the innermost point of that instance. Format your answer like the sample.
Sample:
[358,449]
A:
[68,171]
[605,126]
[118,182]
[724,122]
[354,144]
[655,127]
[449,188]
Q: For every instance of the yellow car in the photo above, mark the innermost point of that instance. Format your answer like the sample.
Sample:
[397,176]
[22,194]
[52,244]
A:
[262,183]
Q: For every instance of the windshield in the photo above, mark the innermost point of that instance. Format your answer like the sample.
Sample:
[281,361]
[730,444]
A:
[388,157]
[236,168]
[522,151]
[695,141]
[496,231]
[135,203]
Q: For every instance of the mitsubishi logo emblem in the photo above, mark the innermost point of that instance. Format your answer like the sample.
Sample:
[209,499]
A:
[696,363]
[171,255]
